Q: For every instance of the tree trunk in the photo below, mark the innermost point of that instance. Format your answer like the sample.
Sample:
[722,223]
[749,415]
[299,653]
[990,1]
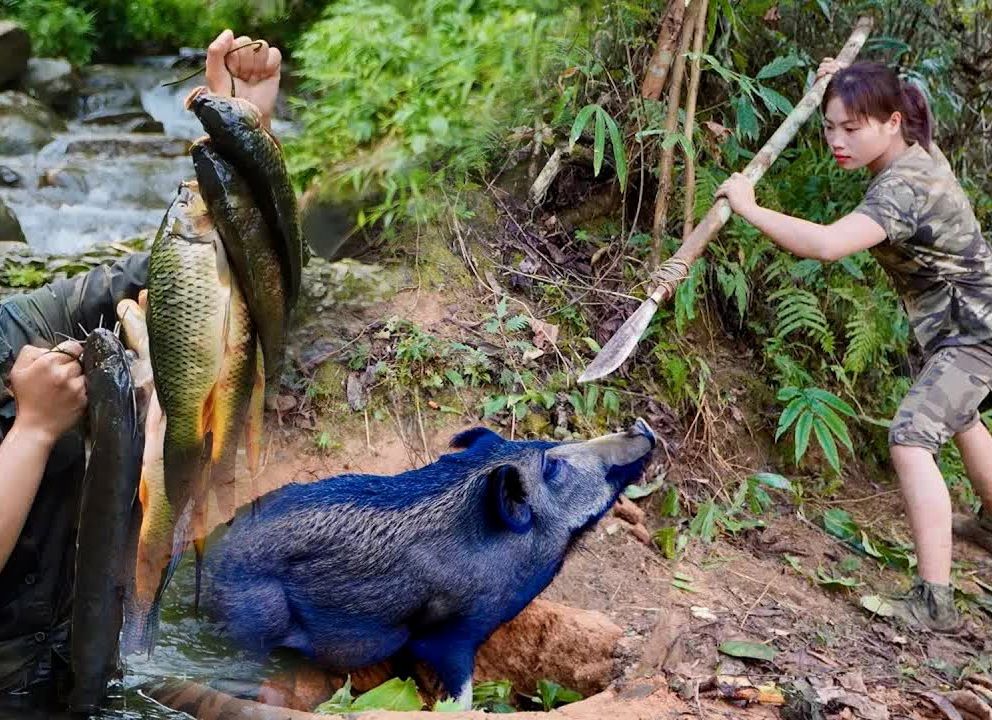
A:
[661,60]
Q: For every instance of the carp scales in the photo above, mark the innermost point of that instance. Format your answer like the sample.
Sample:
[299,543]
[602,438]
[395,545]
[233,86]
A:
[203,349]
[250,248]
[189,296]
[107,518]
[236,131]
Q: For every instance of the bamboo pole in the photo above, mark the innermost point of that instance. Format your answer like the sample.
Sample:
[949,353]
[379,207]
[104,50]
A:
[690,118]
[661,60]
[675,269]
[671,124]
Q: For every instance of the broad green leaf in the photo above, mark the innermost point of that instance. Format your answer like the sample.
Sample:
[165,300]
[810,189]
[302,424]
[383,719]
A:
[826,441]
[670,505]
[877,605]
[619,151]
[580,123]
[779,66]
[665,540]
[683,585]
[789,415]
[774,101]
[591,344]
[393,694]
[744,649]
[834,583]
[788,393]
[840,524]
[494,405]
[869,547]
[447,706]
[803,427]
[340,701]
[703,525]
[774,480]
[833,421]
[599,142]
[747,117]
[592,396]
[832,400]
[636,492]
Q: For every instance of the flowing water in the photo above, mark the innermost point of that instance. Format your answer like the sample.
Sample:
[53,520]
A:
[109,189]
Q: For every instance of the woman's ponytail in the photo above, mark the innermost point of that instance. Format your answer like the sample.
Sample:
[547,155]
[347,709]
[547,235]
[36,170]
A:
[917,122]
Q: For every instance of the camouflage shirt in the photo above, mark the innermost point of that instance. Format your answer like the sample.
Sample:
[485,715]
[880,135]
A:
[36,581]
[934,250]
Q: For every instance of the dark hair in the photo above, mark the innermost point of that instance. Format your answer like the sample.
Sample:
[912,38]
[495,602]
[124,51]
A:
[872,90]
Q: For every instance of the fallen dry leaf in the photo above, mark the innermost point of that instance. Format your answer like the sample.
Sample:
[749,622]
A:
[943,704]
[545,334]
[739,688]
[865,707]
[719,132]
[969,704]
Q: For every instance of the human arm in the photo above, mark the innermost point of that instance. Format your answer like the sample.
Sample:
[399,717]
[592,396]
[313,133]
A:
[255,71]
[848,235]
[50,392]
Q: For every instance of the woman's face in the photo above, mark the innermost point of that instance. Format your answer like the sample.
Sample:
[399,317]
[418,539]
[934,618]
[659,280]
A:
[856,142]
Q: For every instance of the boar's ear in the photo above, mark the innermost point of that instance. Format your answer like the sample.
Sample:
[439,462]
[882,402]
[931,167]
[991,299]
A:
[474,436]
[508,498]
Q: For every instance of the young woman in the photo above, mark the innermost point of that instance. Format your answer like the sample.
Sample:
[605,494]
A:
[917,222]
[42,398]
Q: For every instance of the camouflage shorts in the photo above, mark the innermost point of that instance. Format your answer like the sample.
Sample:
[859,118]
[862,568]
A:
[944,398]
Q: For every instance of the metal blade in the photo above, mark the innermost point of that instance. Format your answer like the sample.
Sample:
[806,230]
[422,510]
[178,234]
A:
[622,344]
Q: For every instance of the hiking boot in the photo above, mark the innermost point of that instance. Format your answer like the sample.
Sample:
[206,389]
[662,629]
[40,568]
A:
[926,605]
[975,528]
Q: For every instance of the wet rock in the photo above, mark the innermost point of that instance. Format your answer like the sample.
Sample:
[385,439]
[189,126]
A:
[25,124]
[131,120]
[126,145]
[575,648]
[105,88]
[15,49]
[52,81]
[10,178]
[113,116]
[67,178]
[148,125]
[10,228]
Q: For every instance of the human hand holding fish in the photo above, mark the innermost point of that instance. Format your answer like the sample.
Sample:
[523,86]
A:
[49,389]
[246,68]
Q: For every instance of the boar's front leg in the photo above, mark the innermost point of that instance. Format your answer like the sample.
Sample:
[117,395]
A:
[451,652]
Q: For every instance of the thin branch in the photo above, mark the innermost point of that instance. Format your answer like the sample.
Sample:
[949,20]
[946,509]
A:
[671,123]
[690,119]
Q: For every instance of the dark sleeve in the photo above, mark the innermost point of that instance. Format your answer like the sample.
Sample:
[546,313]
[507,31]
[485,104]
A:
[71,307]
[891,202]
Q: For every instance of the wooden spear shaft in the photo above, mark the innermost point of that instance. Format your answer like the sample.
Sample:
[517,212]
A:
[623,342]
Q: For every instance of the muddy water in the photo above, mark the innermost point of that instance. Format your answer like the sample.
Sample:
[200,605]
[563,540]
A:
[188,647]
